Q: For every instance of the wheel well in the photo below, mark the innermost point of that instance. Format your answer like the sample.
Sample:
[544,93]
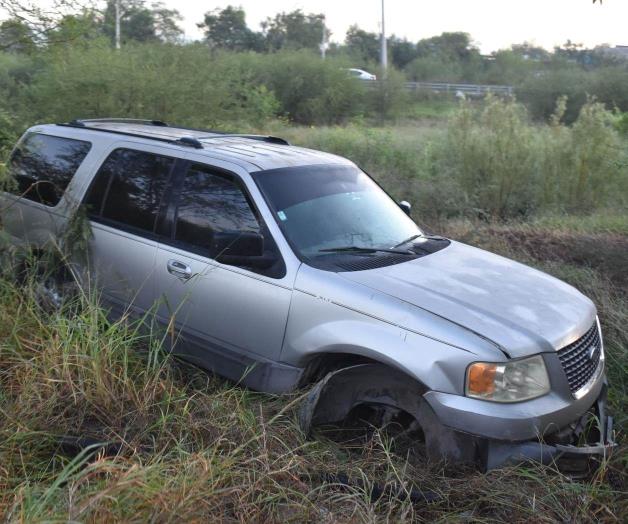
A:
[38,259]
[339,393]
[324,363]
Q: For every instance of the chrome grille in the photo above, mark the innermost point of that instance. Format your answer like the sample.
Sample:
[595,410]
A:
[581,358]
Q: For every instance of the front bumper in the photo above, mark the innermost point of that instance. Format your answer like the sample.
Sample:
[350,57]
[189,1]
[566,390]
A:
[572,448]
[552,428]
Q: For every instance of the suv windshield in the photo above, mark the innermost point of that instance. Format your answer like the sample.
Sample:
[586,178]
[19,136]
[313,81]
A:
[327,207]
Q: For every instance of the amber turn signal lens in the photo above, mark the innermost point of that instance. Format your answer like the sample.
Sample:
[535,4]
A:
[481,379]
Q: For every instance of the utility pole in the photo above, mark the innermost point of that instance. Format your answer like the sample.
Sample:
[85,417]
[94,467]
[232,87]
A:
[324,43]
[384,55]
[117,8]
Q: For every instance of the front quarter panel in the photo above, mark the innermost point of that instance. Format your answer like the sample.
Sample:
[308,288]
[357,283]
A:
[330,314]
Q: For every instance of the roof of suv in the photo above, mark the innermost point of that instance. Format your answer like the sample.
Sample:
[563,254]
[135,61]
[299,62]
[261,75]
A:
[258,151]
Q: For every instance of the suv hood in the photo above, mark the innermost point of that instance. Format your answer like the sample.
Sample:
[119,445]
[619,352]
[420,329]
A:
[522,310]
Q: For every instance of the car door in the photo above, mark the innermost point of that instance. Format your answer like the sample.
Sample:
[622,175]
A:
[123,203]
[223,317]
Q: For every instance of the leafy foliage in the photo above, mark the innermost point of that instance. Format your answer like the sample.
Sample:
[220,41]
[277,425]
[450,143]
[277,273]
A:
[140,23]
[162,82]
[294,30]
[309,90]
[227,29]
[492,162]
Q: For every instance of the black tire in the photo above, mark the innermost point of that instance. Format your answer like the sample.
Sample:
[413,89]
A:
[52,283]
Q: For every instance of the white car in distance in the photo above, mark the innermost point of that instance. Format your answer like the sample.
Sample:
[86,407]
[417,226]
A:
[361,74]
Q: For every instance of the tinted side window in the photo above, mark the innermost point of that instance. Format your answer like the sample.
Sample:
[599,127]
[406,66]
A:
[42,166]
[210,204]
[129,187]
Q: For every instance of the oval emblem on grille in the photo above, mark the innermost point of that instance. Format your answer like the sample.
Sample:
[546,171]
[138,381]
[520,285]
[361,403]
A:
[593,352]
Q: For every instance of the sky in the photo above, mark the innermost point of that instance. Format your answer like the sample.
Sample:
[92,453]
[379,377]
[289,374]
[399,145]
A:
[494,24]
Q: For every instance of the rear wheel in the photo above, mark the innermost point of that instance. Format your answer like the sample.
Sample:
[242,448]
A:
[53,285]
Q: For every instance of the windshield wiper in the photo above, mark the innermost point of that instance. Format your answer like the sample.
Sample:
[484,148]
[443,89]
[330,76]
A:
[414,237]
[358,249]
[407,240]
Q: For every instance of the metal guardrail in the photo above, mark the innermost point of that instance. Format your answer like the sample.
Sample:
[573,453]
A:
[467,89]
[443,87]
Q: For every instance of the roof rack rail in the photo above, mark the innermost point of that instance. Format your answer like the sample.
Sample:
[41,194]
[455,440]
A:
[188,141]
[83,122]
[263,138]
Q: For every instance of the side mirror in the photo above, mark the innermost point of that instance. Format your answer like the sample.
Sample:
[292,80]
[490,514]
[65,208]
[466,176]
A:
[406,207]
[242,249]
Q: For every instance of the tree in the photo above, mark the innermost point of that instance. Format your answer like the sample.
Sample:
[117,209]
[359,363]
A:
[294,30]
[39,22]
[227,29]
[140,23]
[72,29]
[16,37]
[165,22]
[402,51]
[529,51]
[449,46]
[362,44]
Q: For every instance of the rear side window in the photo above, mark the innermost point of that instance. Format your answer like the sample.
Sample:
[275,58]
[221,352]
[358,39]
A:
[129,188]
[42,166]
[210,204]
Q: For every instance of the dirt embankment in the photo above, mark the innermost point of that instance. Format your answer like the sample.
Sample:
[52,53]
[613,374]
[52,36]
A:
[607,253]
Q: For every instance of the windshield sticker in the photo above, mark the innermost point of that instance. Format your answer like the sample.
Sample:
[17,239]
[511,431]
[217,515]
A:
[282,216]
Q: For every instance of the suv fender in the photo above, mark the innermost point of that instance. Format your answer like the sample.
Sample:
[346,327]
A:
[339,392]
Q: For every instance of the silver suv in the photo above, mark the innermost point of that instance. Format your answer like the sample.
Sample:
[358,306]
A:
[281,267]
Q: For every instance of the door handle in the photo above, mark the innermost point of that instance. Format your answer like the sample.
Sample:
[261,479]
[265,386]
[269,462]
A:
[179,269]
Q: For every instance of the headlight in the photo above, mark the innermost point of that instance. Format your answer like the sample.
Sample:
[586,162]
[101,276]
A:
[509,381]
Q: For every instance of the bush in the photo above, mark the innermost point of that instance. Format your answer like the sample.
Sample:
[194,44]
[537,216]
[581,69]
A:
[621,123]
[541,92]
[433,69]
[490,161]
[490,153]
[172,83]
[610,86]
[186,84]
[309,90]
[509,167]
[594,175]
[388,98]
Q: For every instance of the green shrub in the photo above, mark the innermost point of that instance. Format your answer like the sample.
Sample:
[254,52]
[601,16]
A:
[309,90]
[187,84]
[490,161]
[540,92]
[609,85]
[490,153]
[388,98]
[621,123]
[509,167]
[184,84]
[596,174]
[433,69]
